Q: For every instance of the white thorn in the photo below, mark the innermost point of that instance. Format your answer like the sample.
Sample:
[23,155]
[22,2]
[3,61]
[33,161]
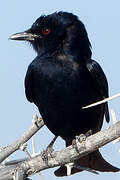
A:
[24,148]
[34,154]
[102,101]
[69,167]
[114,118]
[33,147]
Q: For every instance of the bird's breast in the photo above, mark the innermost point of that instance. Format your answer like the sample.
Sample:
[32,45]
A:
[62,84]
[60,92]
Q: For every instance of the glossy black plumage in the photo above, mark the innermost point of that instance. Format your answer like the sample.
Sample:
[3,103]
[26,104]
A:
[63,78]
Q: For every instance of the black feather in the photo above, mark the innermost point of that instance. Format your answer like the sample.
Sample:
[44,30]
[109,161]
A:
[63,78]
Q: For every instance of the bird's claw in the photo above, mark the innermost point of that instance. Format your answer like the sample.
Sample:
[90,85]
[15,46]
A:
[49,148]
[89,133]
[80,139]
[77,139]
[46,154]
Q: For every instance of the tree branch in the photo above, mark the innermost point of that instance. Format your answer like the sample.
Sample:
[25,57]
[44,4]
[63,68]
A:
[37,124]
[64,156]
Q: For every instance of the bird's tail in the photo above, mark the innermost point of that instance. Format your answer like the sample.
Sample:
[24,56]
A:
[92,161]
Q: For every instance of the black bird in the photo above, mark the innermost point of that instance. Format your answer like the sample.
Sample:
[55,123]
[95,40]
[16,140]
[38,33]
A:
[63,78]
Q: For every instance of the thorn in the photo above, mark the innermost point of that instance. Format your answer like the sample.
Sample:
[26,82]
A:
[24,148]
[35,117]
[114,118]
[69,167]
[33,147]
[102,101]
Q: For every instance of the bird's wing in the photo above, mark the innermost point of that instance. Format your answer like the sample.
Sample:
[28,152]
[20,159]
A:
[29,84]
[101,82]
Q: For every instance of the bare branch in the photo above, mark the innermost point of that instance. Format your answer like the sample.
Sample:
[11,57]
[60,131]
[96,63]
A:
[37,124]
[64,156]
[19,174]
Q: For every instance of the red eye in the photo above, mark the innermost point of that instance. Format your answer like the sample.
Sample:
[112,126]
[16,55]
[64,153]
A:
[45,31]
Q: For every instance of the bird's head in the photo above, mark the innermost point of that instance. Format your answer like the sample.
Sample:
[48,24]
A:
[60,31]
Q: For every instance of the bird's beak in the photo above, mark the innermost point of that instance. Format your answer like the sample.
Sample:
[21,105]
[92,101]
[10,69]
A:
[24,36]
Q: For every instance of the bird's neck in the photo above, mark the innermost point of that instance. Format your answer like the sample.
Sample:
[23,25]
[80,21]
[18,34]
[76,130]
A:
[77,43]
[63,54]
[49,51]
[73,47]
[77,49]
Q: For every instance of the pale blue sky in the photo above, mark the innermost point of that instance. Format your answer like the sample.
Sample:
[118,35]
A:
[102,20]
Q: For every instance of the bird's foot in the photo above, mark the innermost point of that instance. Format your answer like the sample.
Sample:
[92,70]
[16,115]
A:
[88,133]
[79,139]
[46,154]
[49,148]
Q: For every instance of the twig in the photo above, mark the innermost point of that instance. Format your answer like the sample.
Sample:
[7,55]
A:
[38,123]
[24,148]
[64,156]
[19,174]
